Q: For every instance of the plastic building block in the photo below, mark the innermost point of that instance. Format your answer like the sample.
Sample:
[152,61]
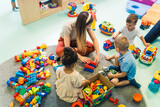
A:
[11,104]
[157,75]
[145,25]
[114,101]
[43,46]
[121,105]
[75,104]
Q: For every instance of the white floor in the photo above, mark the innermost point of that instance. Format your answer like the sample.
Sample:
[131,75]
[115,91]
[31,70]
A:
[15,38]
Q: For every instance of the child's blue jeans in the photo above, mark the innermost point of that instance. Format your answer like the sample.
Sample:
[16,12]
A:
[153,33]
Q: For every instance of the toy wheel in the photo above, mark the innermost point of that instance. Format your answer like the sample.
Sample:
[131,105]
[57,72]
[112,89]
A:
[77,104]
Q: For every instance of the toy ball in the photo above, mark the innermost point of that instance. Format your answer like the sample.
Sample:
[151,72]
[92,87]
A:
[156,81]
[105,87]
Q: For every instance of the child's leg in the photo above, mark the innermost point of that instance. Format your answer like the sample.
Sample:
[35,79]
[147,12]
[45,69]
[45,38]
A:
[153,33]
[117,64]
[117,83]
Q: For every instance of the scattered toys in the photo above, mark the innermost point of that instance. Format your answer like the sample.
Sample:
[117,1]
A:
[148,55]
[30,72]
[145,25]
[77,104]
[155,82]
[137,97]
[72,7]
[114,101]
[108,44]
[90,66]
[107,28]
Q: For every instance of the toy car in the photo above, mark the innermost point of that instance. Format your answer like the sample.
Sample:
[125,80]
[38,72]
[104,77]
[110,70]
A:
[107,28]
[108,44]
[148,55]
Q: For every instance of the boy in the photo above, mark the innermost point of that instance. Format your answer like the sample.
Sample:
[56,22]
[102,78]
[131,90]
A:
[126,64]
[130,31]
[14,8]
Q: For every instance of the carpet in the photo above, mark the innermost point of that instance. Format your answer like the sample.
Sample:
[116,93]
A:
[10,67]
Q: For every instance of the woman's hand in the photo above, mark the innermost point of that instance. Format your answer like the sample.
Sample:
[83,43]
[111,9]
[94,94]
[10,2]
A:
[97,59]
[84,59]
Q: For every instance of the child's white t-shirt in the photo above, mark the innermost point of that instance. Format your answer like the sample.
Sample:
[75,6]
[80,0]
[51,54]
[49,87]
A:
[69,85]
[130,34]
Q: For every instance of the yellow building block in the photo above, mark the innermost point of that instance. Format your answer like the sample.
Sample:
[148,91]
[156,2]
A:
[157,75]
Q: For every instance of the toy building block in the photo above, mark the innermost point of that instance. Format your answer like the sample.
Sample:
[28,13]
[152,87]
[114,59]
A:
[53,57]
[56,65]
[121,105]
[19,58]
[136,52]
[114,101]
[43,46]
[24,61]
[90,66]
[157,75]
[108,44]
[145,25]
[11,104]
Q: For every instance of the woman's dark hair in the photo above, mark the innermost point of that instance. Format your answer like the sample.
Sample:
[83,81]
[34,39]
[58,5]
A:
[69,57]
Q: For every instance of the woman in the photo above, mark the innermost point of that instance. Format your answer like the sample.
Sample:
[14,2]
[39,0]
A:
[74,35]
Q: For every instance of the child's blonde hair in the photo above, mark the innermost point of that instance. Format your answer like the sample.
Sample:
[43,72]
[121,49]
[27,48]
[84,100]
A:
[122,43]
[132,18]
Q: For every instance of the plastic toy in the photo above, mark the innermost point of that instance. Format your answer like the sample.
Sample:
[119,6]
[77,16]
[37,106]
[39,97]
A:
[42,7]
[77,104]
[90,8]
[72,7]
[148,55]
[108,44]
[136,52]
[137,7]
[114,101]
[155,82]
[145,25]
[19,58]
[11,104]
[52,5]
[121,105]
[53,57]
[90,66]
[107,28]
[42,46]
[137,97]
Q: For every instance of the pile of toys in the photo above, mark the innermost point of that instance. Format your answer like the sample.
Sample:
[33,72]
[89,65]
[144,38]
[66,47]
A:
[90,66]
[108,44]
[155,82]
[95,89]
[107,28]
[149,54]
[31,71]
[145,25]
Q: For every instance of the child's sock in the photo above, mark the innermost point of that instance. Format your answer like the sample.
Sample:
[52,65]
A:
[134,83]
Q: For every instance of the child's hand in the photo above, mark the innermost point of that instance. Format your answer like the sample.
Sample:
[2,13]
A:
[147,44]
[114,36]
[110,75]
[107,57]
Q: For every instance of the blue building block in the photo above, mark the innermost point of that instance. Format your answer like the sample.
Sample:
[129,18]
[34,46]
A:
[89,70]
[137,8]
[24,61]
[19,74]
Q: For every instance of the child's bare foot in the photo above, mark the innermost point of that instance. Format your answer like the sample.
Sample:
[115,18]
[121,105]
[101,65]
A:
[107,57]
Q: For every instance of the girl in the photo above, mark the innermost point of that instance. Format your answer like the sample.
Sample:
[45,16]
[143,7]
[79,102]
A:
[74,35]
[70,82]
